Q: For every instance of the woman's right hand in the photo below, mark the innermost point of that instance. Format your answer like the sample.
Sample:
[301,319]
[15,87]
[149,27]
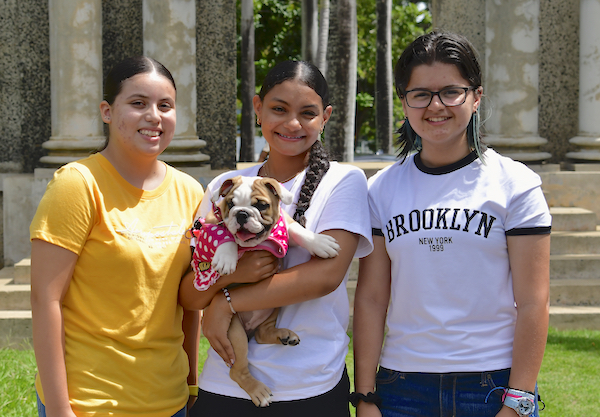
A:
[367,410]
[254,266]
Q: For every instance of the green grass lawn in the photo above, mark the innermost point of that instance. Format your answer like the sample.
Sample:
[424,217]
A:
[569,380]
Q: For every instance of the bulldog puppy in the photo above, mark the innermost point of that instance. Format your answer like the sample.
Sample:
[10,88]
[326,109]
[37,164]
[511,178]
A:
[250,211]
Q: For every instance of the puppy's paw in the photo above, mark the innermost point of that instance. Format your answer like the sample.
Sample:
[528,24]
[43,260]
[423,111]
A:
[225,258]
[287,337]
[324,246]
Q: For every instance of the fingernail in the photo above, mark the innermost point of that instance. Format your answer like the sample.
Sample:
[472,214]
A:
[232,362]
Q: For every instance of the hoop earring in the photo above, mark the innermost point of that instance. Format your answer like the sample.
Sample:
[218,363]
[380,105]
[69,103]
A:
[258,122]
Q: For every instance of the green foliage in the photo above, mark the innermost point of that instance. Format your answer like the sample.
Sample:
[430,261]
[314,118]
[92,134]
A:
[17,376]
[408,22]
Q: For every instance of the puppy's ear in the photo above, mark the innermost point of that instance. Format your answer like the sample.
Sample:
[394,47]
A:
[281,192]
[225,188]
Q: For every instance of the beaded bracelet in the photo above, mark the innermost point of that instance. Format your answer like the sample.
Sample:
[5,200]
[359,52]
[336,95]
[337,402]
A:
[370,397]
[228,298]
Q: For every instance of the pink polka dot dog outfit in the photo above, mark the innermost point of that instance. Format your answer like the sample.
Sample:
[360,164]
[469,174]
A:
[207,237]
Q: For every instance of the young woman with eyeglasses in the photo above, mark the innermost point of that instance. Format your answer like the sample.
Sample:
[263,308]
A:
[461,237]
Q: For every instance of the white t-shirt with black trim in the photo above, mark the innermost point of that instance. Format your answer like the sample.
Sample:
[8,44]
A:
[316,365]
[452,303]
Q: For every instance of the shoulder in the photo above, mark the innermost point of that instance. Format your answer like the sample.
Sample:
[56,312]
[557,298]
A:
[339,171]
[185,180]
[77,174]
[509,171]
[390,173]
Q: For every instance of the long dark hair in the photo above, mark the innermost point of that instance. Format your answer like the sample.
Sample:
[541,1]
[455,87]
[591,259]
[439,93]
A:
[447,48]
[113,84]
[318,160]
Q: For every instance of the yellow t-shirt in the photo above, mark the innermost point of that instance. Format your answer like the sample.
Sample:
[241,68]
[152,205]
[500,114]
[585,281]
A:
[122,322]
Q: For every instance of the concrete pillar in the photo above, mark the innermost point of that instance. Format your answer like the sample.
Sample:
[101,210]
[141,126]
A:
[466,17]
[588,138]
[559,75]
[216,38]
[122,32]
[170,38]
[24,86]
[76,79]
[511,81]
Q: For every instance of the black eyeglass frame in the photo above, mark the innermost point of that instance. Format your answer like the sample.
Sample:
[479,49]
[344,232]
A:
[437,93]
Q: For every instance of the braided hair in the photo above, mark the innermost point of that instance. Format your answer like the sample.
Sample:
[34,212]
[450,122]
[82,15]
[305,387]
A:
[318,160]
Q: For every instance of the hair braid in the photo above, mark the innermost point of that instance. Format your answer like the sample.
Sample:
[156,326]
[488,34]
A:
[318,165]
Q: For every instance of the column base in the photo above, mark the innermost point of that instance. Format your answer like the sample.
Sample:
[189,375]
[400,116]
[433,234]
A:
[182,151]
[590,148]
[523,148]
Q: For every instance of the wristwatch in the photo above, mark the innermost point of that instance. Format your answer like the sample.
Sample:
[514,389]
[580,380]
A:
[522,402]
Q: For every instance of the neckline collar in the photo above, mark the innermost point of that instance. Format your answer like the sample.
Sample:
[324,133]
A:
[446,169]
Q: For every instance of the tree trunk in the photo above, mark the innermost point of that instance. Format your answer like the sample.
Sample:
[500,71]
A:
[323,35]
[383,78]
[247,88]
[310,30]
[341,76]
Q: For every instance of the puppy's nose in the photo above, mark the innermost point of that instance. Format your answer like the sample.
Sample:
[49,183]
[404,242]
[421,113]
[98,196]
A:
[241,217]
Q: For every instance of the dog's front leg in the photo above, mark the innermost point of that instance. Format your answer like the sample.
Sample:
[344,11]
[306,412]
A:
[225,258]
[267,333]
[323,246]
[239,372]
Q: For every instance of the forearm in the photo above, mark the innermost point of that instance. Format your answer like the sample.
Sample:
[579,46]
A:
[191,341]
[528,348]
[48,345]
[367,339]
[192,299]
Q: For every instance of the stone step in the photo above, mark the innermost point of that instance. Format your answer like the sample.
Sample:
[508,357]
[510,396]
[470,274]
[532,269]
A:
[15,297]
[575,292]
[15,329]
[578,266]
[22,271]
[573,219]
[564,243]
[575,317]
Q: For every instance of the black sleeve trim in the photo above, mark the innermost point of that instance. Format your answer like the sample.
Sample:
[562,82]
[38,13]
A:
[376,232]
[529,231]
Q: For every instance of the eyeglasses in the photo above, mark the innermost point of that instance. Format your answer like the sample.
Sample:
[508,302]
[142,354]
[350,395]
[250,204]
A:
[450,97]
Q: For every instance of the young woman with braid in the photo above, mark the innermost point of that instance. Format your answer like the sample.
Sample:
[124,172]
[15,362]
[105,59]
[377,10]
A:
[309,379]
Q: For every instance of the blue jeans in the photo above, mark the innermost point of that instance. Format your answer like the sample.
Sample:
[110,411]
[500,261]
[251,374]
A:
[42,409]
[412,394]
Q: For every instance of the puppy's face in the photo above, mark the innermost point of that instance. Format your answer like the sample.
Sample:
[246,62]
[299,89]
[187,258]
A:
[250,207]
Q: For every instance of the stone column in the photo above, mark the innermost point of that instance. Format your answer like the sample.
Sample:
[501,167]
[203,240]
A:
[466,17]
[75,78]
[588,138]
[216,65]
[170,38]
[511,81]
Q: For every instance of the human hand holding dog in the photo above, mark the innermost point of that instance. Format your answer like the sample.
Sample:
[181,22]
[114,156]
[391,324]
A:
[215,323]
[252,267]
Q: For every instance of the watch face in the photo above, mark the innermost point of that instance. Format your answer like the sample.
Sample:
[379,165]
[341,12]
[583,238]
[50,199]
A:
[525,407]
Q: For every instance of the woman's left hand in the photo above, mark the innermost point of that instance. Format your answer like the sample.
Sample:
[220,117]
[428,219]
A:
[215,323]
